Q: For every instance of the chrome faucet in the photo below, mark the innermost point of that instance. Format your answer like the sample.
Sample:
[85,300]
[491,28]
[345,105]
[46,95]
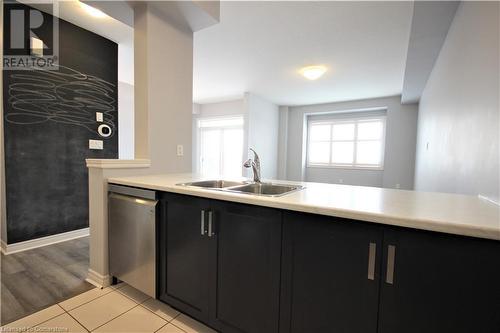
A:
[255,164]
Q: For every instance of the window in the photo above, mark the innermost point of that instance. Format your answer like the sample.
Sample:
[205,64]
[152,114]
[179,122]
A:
[347,142]
[220,146]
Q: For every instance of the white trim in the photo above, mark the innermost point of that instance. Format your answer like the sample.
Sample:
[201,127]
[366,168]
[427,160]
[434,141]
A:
[201,119]
[346,167]
[349,113]
[117,164]
[98,280]
[355,121]
[43,241]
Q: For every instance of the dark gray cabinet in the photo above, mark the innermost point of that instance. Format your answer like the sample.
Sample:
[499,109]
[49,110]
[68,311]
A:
[183,254]
[423,282]
[249,269]
[440,283]
[331,275]
[245,275]
[220,262]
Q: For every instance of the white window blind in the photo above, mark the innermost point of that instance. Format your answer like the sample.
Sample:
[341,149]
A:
[220,146]
[347,142]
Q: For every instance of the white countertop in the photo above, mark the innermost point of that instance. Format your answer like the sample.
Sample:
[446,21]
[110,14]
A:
[449,213]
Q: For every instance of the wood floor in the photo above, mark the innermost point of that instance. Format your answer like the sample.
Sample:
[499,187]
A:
[35,279]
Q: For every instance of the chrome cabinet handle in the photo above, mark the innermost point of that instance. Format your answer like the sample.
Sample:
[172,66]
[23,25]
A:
[202,222]
[391,257]
[372,253]
[210,219]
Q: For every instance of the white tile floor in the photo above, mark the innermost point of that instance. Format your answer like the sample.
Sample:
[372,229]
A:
[114,309]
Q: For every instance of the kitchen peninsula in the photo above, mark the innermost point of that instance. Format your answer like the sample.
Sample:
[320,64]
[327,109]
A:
[345,258]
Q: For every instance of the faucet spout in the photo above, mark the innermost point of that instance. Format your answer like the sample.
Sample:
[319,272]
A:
[255,165]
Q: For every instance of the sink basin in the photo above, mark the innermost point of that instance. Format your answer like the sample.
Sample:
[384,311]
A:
[245,187]
[219,183]
[267,189]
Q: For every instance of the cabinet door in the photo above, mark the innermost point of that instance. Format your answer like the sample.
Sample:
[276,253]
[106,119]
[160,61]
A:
[440,283]
[183,253]
[245,250]
[330,277]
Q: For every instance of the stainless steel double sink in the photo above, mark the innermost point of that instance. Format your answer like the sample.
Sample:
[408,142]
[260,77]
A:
[246,187]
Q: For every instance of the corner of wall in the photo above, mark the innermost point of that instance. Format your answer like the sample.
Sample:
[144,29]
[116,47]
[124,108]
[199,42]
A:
[263,132]
[3,211]
[283,142]
[141,128]
[303,160]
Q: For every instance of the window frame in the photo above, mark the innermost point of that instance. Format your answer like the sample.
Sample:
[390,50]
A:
[200,129]
[347,120]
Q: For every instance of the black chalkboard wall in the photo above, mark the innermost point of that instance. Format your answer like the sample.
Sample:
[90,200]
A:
[47,139]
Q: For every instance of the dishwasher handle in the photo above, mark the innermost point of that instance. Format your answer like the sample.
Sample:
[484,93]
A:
[135,200]
[140,193]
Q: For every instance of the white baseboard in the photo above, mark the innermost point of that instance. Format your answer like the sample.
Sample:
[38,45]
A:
[98,280]
[43,241]
[3,246]
[117,164]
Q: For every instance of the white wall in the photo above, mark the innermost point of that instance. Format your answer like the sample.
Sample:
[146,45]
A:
[126,60]
[125,120]
[399,160]
[126,98]
[458,126]
[163,91]
[227,108]
[263,129]
[345,176]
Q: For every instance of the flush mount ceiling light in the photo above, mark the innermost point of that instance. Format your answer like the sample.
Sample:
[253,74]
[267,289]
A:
[313,72]
[92,11]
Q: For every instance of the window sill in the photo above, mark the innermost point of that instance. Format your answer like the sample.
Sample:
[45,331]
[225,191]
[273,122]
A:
[346,167]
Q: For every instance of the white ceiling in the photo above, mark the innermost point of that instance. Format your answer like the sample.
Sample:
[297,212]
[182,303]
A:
[258,47]
[71,11]
[108,27]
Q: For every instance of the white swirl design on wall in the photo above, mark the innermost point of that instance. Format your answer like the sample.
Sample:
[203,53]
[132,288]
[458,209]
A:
[63,96]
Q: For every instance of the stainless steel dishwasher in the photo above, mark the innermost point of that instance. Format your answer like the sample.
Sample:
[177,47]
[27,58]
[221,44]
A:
[132,236]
